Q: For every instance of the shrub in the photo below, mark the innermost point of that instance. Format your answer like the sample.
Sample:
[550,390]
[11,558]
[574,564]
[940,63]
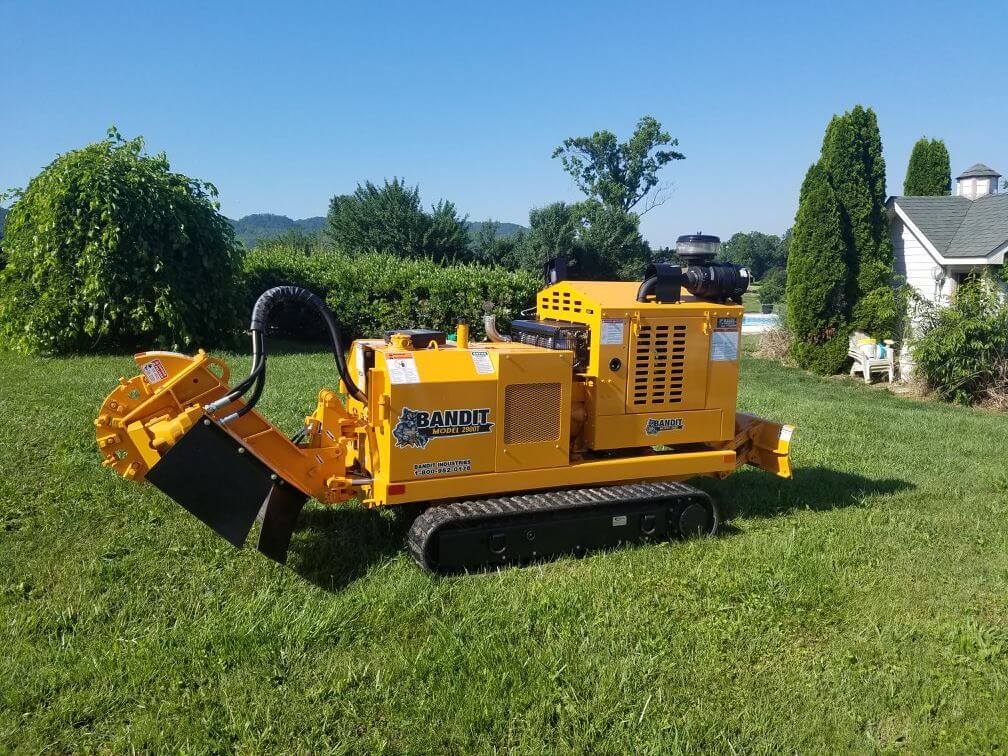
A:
[372,293]
[817,278]
[772,288]
[961,349]
[108,248]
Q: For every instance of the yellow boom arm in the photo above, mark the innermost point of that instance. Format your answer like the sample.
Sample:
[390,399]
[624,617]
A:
[154,427]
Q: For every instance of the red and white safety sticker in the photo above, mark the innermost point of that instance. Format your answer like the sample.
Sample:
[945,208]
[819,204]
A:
[154,371]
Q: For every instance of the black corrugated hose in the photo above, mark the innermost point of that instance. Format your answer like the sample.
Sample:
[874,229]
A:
[260,320]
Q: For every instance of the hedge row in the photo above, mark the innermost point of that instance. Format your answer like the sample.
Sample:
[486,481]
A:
[372,293]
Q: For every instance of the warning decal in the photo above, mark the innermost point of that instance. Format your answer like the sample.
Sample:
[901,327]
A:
[724,346]
[401,368]
[612,331]
[482,362]
[154,371]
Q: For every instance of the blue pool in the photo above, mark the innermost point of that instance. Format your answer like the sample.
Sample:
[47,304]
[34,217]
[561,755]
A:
[755,322]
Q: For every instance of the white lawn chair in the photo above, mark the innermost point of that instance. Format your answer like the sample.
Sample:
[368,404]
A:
[866,364]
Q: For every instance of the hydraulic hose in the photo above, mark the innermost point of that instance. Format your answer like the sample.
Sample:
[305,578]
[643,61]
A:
[258,367]
[261,313]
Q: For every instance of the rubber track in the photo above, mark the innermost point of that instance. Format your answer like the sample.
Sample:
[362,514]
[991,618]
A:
[426,526]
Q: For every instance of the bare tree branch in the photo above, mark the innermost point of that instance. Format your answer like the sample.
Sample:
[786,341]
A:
[657,197]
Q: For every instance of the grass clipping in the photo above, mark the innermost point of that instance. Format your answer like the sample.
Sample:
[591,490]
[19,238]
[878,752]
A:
[775,344]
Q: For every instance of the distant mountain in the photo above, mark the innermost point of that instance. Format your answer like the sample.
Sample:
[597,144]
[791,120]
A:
[503,229]
[267,225]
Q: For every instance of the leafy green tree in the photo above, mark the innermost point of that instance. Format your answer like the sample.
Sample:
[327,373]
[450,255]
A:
[619,174]
[929,173]
[817,287]
[757,251]
[447,235]
[852,159]
[390,219]
[596,241]
[553,232]
[610,245]
[488,246]
[108,248]
[772,287]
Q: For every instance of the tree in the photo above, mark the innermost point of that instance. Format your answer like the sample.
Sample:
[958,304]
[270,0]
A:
[758,252]
[817,289]
[610,245]
[446,237]
[855,168]
[552,233]
[108,248]
[488,247]
[772,287]
[597,242]
[929,173]
[391,219]
[619,174]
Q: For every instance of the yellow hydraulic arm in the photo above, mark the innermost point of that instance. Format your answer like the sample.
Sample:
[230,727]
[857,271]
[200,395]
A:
[155,426]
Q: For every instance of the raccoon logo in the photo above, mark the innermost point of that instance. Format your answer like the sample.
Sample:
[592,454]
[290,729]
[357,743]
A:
[407,430]
[655,425]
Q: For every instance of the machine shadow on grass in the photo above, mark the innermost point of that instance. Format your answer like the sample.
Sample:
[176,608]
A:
[754,494]
[333,547]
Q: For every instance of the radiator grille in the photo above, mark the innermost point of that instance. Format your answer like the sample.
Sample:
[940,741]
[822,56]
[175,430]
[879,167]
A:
[658,367]
[531,413]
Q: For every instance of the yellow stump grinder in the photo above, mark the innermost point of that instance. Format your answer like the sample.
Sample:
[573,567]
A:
[571,433]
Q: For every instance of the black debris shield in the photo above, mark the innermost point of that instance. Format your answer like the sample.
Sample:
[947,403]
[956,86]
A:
[213,476]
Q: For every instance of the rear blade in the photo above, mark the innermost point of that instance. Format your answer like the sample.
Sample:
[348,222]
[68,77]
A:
[216,478]
[763,444]
[279,515]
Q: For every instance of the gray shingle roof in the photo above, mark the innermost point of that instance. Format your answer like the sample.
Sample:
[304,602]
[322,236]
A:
[984,229]
[957,226]
[978,170]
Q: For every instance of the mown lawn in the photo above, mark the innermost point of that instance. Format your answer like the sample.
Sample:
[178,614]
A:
[861,606]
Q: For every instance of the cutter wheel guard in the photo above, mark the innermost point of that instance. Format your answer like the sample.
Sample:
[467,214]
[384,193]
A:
[572,433]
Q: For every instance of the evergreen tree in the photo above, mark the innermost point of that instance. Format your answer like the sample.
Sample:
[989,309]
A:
[817,277]
[929,173]
[852,159]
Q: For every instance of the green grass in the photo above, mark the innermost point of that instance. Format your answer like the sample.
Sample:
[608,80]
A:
[861,606]
[750,300]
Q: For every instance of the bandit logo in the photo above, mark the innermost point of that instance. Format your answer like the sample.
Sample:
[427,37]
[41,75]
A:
[656,425]
[417,427]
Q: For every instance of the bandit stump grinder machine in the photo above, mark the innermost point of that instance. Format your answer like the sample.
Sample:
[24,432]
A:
[571,433]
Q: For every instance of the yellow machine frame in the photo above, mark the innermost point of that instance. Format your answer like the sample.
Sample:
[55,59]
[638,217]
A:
[585,428]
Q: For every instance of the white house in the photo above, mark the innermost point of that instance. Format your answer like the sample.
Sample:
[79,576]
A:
[938,240]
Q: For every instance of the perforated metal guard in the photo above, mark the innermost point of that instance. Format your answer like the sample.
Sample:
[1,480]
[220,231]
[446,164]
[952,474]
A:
[658,367]
[531,413]
[559,304]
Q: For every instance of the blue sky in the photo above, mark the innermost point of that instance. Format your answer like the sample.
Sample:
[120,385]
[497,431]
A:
[284,105]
